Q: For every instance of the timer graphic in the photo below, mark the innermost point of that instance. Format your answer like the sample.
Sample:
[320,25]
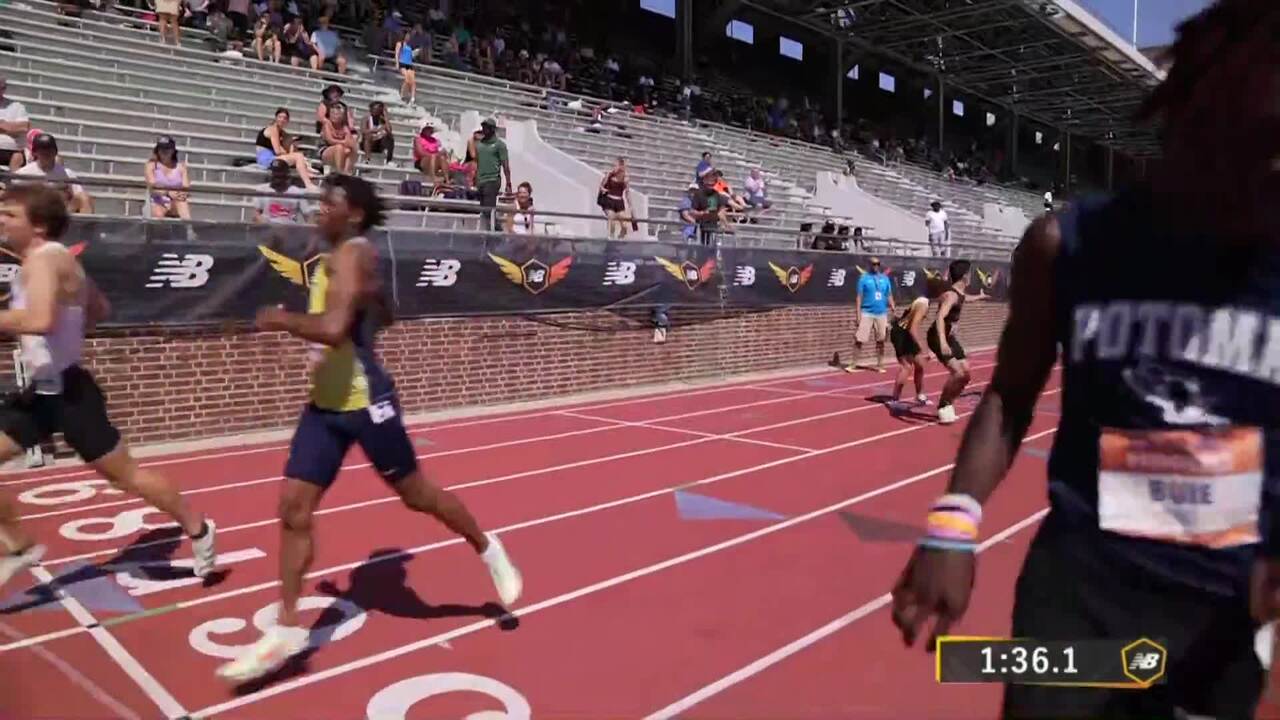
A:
[1095,662]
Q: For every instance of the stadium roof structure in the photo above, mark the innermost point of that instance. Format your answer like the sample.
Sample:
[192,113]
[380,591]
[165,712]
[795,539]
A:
[1049,60]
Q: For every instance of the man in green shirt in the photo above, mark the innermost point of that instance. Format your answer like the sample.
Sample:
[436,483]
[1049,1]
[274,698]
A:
[492,165]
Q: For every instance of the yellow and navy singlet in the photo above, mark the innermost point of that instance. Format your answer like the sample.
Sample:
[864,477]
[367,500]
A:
[346,377]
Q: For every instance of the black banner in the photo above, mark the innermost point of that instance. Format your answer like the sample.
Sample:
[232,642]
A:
[161,273]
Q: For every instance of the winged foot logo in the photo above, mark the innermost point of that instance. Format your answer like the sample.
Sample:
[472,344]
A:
[792,278]
[689,273]
[534,276]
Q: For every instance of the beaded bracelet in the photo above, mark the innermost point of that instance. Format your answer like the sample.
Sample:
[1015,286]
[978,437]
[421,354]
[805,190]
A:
[952,524]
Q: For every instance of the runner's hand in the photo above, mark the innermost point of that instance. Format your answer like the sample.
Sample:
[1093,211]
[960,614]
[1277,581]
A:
[937,583]
[270,318]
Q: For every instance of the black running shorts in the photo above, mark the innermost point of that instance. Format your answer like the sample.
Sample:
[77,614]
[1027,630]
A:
[79,413]
[904,346]
[957,350]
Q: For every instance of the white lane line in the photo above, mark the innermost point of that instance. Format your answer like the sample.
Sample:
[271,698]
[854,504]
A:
[508,443]
[417,429]
[205,599]
[127,662]
[75,677]
[758,666]
[527,610]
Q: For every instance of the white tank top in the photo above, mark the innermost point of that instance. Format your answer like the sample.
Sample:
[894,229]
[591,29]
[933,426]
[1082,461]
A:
[46,356]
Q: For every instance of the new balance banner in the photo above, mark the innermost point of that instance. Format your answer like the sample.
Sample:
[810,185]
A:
[164,274]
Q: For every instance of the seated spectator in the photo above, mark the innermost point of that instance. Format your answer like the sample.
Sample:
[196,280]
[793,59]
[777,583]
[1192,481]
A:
[329,97]
[378,136]
[279,200]
[427,154]
[521,222]
[484,56]
[526,70]
[859,240]
[689,212]
[274,142]
[338,145]
[48,166]
[14,125]
[298,47]
[404,60]
[266,40]
[420,40]
[757,190]
[703,167]
[328,45]
[716,206]
[734,202]
[223,35]
[552,75]
[168,181]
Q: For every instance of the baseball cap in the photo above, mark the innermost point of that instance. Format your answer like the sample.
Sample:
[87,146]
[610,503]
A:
[166,141]
[488,123]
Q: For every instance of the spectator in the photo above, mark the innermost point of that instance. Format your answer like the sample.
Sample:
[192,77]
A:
[298,47]
[404,60]
[939,226]
[279,201]
[492,164]
[552,75]
[329,97]
[199,10]
[223,35]
[613,198]
[714,209]
[688,211]
[859,239]
[48,166]
[427,155]
[275,142]
[521,221]
[378,136]
[757,190]
[484,55]
[871,312]
[328,44]
[1048,194]
[238,13]
[266,40]
[168,181]
[420,40]
[721,186]
[338,146]
[14,125]
[167,12]
[703,167]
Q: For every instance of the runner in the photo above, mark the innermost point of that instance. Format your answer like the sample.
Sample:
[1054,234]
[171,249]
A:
[908,345]
[1156,517]
[353,401]
[51,305]
[942,340]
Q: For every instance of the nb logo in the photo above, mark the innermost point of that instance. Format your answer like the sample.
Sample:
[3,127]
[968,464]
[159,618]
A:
[908,278]
[439,273]
[535,276]
[744,276]
[1145,661]
[837,278]
[181,271]
[9,272]
[620,273]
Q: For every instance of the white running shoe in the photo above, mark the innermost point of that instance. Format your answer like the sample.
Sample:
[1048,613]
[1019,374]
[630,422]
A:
[506,578]
[264,657]
[947,415]
[15,563]
[206,558]
[923,399]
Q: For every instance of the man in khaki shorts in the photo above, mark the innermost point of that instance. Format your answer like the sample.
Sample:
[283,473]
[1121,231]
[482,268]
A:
[872,308]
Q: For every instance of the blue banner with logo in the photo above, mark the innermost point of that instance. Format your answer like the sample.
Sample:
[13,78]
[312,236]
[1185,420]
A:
[168,273]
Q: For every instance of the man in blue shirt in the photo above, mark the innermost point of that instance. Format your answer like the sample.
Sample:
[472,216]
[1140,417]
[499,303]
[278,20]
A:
[872,308]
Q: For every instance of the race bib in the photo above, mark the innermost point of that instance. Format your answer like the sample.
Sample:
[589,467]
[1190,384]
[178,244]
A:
[382,412]
[1198,486]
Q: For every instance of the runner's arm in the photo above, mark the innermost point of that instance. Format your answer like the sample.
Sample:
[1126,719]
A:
[347,281]
[40,278]
[915,325]
[944,307]
[1026,354]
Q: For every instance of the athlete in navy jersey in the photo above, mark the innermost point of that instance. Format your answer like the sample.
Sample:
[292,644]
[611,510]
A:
[1165,302]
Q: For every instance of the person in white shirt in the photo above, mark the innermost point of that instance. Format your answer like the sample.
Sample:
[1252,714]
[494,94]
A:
[14,125]
[757,190]
[939,230]
[1048,201]
[49,167]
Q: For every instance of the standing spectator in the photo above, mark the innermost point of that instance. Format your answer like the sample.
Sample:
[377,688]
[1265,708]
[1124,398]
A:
[298,47]
[199,12]
[689,213]
[703,167]
[238,12]
[328,44]
[757,190]
[338,146]
[167,181]
[274,142]
[378,136]
[279,201]
[1048,201]
[613,198]
[872,308]
[492,165]
[521,221]
[14,125]
[167,12]
[404,60]
[427,155]
[939,226]
[48,166]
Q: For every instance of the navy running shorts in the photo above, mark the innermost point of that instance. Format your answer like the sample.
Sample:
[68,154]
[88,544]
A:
[323,438]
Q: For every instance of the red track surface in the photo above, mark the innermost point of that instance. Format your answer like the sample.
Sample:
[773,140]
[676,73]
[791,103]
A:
[629,610]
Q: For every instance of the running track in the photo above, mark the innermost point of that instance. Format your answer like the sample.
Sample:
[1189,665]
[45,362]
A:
[632,608]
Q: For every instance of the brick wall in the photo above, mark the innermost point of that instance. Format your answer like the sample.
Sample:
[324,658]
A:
[166,385]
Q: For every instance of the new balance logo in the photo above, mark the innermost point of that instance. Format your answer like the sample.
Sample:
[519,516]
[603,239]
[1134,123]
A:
[908,278]
[1145,661]
[744,276]
[620,273]
[181,271]
[439,273]
[837,278]
[9,272]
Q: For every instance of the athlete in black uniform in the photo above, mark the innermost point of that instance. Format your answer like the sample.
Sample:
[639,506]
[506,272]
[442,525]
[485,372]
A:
[1163,475]
[944,344]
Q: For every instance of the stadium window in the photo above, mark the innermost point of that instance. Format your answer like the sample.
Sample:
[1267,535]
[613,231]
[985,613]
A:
[790,48]
[928,93]
[1039,138]
[991,119]
[666,8]
[743,32]
[887,83]
[852,74]
[957,108]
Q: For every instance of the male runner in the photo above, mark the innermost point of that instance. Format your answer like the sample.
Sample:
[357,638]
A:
[52,302]
[942,340]
[908,346]
[353,401]
[1155,518]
